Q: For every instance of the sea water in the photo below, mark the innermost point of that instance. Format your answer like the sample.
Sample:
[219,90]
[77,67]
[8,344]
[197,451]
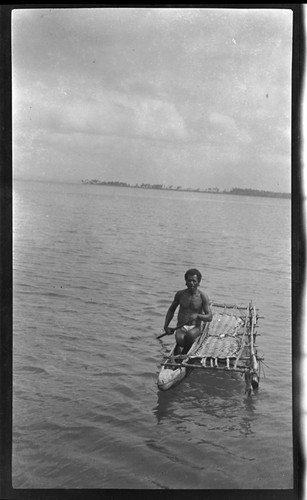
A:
[95,269]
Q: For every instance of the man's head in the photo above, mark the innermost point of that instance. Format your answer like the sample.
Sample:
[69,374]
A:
[193,272]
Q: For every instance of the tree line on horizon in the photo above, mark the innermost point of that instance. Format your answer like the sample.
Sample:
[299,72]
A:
[236,190]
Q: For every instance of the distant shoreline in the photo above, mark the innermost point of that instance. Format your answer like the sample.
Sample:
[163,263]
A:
[161,187]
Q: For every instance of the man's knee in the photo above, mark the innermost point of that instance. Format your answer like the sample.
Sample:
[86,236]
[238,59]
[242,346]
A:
[180,338]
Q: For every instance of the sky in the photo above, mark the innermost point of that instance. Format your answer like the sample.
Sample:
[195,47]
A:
[190,97]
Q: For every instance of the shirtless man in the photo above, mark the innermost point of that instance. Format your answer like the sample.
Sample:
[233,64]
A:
[193,309]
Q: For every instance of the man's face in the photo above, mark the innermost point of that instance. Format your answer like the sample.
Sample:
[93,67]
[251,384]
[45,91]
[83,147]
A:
[192,282]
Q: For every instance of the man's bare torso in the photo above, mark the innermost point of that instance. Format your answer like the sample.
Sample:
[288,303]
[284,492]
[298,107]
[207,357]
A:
[189,304]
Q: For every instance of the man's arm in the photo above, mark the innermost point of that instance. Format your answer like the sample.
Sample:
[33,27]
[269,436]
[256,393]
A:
[171,311]
[207,317]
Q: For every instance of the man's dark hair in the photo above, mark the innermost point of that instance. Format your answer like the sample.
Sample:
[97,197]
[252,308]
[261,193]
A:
[191,272]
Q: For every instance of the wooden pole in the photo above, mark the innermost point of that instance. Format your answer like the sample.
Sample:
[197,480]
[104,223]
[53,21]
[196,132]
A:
[173,330]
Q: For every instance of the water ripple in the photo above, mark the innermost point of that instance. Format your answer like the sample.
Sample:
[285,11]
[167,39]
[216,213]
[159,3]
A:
[91,290]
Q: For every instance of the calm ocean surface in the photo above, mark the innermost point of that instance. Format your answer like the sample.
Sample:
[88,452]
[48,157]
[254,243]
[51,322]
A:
[95,270]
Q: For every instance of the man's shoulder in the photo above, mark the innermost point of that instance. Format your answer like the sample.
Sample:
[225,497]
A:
[181,292]
[204,295]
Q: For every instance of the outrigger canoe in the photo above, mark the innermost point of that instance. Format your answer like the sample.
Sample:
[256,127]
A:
[227,343]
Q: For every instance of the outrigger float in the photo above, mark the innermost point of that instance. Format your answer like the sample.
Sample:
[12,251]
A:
[227,343]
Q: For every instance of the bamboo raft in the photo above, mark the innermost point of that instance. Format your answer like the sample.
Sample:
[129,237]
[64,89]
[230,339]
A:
[227,343]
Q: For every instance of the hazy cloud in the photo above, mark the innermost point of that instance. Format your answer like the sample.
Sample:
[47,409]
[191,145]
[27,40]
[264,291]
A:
[153,95]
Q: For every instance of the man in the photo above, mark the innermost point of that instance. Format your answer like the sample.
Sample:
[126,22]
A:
[193,309]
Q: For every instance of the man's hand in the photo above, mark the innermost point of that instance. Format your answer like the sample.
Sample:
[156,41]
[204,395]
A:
[168,330]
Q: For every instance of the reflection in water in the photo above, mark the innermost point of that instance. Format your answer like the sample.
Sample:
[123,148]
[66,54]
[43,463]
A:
[215,400]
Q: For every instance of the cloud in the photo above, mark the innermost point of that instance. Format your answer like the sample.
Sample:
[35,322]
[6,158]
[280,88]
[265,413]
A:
[152,92]
[159,120]
[104,112]
[226,126]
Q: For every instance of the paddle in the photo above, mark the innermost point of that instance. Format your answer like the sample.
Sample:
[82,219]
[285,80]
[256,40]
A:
[173,330]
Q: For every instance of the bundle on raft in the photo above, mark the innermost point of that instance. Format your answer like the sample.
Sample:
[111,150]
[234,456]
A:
[226,343]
